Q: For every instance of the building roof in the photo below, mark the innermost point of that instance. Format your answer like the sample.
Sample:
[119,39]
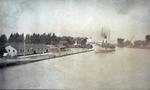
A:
[31,46]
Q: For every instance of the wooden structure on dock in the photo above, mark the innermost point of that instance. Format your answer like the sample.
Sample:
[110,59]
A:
[30,49]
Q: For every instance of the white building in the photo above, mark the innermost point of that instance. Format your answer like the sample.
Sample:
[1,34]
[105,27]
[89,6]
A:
[11,51]
[18,49]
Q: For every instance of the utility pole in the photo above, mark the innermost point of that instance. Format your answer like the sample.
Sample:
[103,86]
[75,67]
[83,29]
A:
[24,44]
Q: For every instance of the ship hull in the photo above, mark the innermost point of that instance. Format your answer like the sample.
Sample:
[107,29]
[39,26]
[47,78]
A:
[100,49]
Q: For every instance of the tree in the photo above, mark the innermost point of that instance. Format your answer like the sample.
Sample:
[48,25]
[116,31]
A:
[147,37]
[3,41]
[83,41]
[16,37]
[37,39]
[28,38]
[33,36]
[43,38]
[21,38]
[54,39]
[11,38]
[70,40]
[48,38]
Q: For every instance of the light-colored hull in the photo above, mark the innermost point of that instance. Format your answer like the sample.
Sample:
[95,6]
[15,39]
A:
[102,49]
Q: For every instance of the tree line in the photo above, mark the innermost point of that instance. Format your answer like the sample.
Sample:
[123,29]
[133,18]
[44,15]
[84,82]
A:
[139,43]
[3,41]
[36,38]
[29,39]
[45,38]
[136,43]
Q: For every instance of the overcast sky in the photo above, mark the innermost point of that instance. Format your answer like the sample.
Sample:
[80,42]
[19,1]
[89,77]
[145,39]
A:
[125,18]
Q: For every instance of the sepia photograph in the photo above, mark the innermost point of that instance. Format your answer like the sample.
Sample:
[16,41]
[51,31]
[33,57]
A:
[75,44]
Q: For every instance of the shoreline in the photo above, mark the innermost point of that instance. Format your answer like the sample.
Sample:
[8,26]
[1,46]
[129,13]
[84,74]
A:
[136,47]
[40,57]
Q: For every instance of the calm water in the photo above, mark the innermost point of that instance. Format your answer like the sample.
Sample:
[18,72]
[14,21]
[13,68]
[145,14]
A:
[123,69]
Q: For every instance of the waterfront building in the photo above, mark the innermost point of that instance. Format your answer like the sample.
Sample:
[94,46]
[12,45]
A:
[120,42]
[62,47]
[21,49]
[11,51]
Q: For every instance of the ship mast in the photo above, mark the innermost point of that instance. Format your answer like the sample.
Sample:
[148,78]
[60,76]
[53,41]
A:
[105,34]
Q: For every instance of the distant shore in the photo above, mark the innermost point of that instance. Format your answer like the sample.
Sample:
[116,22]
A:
[146,48]
[142,47]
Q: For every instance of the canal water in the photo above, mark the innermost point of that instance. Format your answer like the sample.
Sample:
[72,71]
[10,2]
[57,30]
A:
[123,69]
